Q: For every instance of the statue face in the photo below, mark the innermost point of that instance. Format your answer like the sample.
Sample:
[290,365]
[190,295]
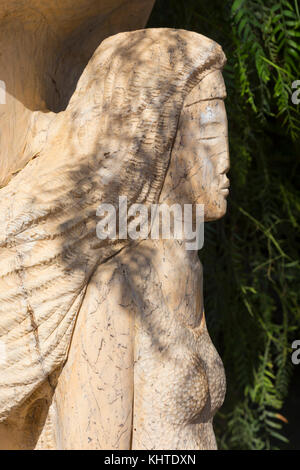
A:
[200,157]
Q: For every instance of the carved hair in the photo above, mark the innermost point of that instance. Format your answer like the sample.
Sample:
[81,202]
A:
[115,138]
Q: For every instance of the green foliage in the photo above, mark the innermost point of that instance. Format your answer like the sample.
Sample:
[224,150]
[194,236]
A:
[250,257]
[265,34]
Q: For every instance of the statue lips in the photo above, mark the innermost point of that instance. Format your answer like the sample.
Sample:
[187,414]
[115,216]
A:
[225,187]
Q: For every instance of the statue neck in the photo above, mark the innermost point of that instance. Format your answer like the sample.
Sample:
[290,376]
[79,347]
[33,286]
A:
[180,276]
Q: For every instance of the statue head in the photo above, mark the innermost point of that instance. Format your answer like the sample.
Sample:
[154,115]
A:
[160,119]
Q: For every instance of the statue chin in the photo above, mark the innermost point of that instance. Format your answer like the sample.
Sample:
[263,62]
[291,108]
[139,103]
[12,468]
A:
[217,213]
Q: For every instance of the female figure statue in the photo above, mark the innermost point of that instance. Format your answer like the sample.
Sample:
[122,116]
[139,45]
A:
[104,341]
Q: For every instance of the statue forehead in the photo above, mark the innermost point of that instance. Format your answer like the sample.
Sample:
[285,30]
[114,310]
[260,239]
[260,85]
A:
[212,86]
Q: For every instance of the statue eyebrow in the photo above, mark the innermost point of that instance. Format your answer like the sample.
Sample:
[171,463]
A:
[212,98]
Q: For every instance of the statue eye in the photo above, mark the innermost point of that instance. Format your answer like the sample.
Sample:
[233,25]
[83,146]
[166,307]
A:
[210,130]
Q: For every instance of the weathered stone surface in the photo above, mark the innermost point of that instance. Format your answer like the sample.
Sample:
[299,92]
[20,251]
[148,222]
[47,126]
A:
[45,46]
[141,369]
